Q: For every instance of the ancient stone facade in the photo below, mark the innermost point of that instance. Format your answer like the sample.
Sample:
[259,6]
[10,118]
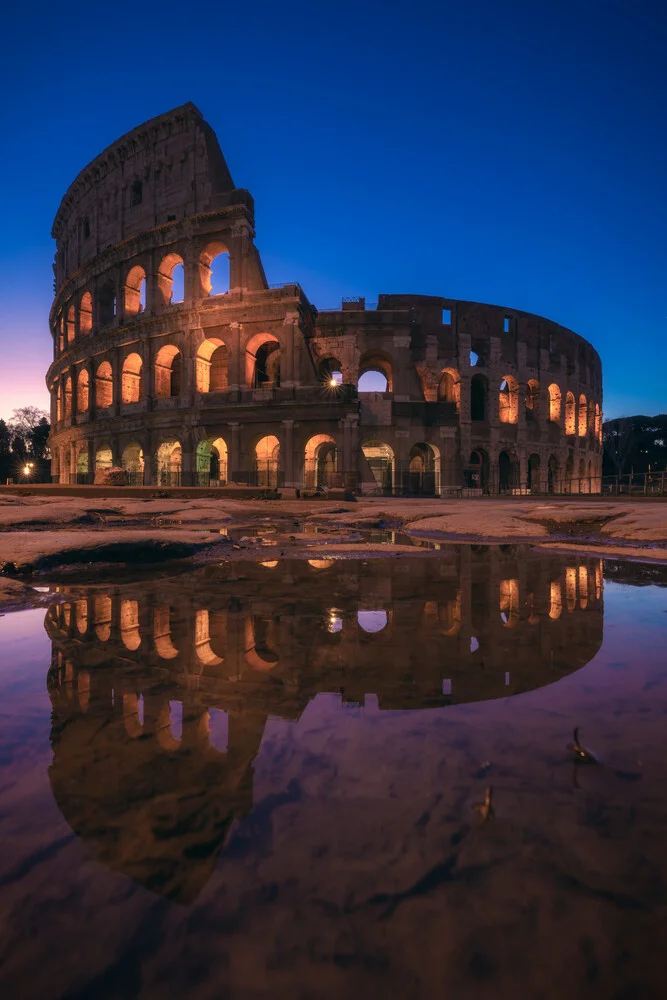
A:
[175,360]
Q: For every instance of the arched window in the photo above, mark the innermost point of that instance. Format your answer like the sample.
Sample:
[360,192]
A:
[86,313]
[375,374]
[330,372]
[508,409]
[591,417]
[168,364]
[107,303]
[212,366]
[478,396]
[71,329]
[68,397]
[135,291]
[553,484]
[598,422]
[554,403]
[170,280]
[319,461]
[131,379]
[532,399]
[82,391]
[582,421]
[534,473]
[449,387]
[214,269]
[570,416]
[103,386]
[262,361]
[267,461]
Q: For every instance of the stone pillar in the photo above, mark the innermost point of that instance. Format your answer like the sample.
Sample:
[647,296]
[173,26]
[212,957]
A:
[75,406]
[149,472]
[290,325]
[91,461]
[188,450]
[287,454]
[350,452]
[234,456]
[148,376]
[236,369]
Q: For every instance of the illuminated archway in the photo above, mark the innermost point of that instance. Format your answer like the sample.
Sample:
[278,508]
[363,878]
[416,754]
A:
[267,461]
[554,403]
[130,383]
[508,400]
[132,460]
[169,463]
[320,461]
[103,386]
[135,291]
[212,366]
[168,367]
[214,269]
[262,361]
[379,462]
[211,462]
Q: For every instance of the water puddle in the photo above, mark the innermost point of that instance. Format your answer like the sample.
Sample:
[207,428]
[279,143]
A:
[322,778]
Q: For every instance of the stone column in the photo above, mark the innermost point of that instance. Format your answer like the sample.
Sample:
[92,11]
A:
[287,454]
[188,450]
[234,455]
[91,461]
[235,371]
[290,324]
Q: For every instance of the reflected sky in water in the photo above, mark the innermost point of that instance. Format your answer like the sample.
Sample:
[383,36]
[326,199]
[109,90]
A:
[262,780]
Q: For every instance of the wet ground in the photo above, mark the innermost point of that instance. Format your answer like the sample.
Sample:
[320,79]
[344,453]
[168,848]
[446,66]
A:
[324,778]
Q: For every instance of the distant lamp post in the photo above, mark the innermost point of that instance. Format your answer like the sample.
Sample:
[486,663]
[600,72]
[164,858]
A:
[27,469]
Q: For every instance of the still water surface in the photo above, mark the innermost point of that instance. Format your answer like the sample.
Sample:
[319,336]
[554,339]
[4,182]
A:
[261,780]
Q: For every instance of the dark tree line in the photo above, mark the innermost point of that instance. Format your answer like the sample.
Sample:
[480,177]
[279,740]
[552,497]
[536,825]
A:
[634,444]
[23,443]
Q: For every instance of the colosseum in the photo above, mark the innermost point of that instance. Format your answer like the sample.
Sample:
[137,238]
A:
[175,360]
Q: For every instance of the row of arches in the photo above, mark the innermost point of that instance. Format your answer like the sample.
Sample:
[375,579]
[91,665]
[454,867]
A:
[581,418]
[130,294]
[479,474]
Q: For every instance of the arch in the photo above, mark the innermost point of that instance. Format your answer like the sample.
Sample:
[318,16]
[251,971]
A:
[262,361]
[379,470]
[132,460]
[211,462]
[479,388]
[476,473]
[571,587]
[102,610]
[133,715]
[135,290]
[424,469]
[372,621]
[212,366]
[169,726]
[330,372]
[320,461]
[129,624]
[164,647]
[570,416]
[103,386]
[214,271]
[170,280]
[103,458]
[569,475]
[552,475]
[130,383]
[81,616]
[82,462]
[82,391]
[532,399]
[169,459]
[86,313]
[508,472]
[533,481]
[71,325]
[168,368]
[267,461]
[598,423]
[260,640]
[554,403]
[582,416]
[509,602]
[68,398]
[583,485]
[107,302]
[449,387]
[555,599]
[508,400]
[583,586]
[381,364]
[203,648]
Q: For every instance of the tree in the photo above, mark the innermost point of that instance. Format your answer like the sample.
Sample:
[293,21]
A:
[26,418]
[38,439]
[618,441]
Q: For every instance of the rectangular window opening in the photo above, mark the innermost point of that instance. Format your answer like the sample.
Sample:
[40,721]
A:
[506,324]
[446,317]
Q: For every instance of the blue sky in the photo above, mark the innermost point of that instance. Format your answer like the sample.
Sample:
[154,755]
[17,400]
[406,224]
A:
[513,153]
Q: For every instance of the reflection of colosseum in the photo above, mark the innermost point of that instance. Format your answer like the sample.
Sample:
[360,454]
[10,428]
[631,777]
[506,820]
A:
[175,359]
[160,696]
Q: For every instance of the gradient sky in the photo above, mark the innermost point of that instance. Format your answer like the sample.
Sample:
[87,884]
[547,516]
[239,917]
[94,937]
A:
[508,152]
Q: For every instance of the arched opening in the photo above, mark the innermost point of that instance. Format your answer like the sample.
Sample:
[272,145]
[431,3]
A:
[571,587]
[582,420]
[203,648]
[103,459]
[132,461]
[552,475]
[130,386]
[375,374]
[82,391]
[164,646]
[68,398]
[267,461]
[509,602]
[103,386]
[583,586]
[378,473]
[169,463]
[476,474]
[449,387]
[81,616]
[570,416]
[129,624]
[214,269]
[533,482]
[330,372]
[583,482]
[320,461]
[261,643]
[533,399]
[508,472]
[555,599]
[262,361]
[212,366]
[107,303]
[568,485]
[598,422]
[82,464]
[591,418]
[423,470]
[171,280]
[478,397]
[211,459]
[508,400]
[102,609]
[135,291]
[71,326]
[168,365]
[86,313]
[372,621]
[554,403]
